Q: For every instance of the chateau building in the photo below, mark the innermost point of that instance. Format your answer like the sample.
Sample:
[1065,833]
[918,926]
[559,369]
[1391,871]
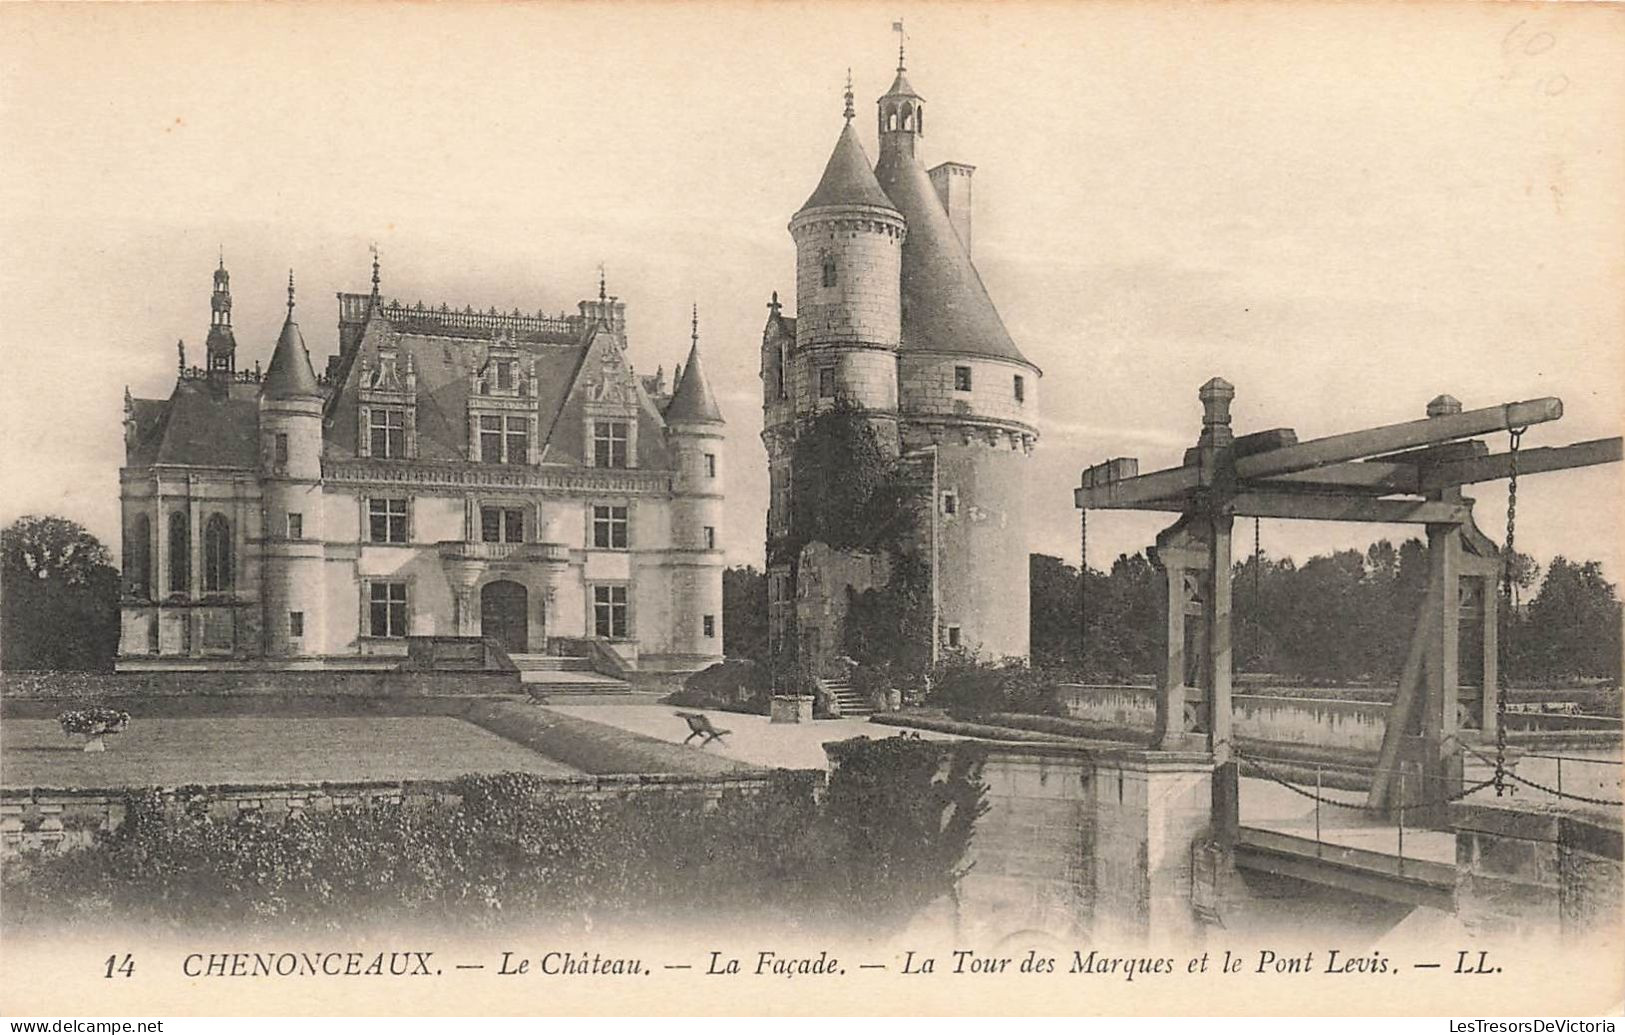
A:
[448,474]
[893,320]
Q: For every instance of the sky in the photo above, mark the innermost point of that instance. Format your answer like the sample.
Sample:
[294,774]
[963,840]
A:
[1343,209]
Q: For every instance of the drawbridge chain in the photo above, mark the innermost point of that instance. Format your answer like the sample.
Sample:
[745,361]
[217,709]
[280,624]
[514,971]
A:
[1265,771]
[1509,560]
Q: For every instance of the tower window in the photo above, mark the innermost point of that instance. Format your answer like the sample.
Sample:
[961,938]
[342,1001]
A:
[961,379]
[388,432]
[830,275]
[609,441]
[710,465]
[951,636]
[296,624]
[709,624]
[296,526]
[826,382]
[138,558]
[710,538]
[1021,389]
[386,520]
[502,525]
[281,449]
[950,503]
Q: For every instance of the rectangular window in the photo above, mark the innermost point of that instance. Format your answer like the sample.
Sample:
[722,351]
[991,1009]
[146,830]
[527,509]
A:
[281,449]
[502,525]
[609,612]
[518,440]
[961,379]
[710,538]
[388,608]
[386,520]
[609,527]
[826,382]
[950,503]
[710,625]
[296,526]
[710,465]
[504,376]
[388,438]
[490,440]
[609,443]
[953,635]
[1021,389]
[296,624]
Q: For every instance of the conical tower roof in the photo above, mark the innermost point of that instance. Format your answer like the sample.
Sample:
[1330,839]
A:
[848,179]
[946,307]
[691,398]
[290,375]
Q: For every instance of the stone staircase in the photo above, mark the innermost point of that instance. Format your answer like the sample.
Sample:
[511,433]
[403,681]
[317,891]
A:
[553,672]
[853,704]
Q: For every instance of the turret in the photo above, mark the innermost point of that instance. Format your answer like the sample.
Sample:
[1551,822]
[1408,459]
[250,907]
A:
[222,345]
[291,482]
[849,239]
[695,432]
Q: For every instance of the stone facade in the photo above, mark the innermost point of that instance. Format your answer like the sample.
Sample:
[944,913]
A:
[449,474]
[892,319]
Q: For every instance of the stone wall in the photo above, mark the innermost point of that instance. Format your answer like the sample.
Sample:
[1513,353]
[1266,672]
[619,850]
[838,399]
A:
[1532,872]
[1085,843]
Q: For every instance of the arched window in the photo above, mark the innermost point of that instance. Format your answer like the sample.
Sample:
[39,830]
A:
[908,118]
[919,120]
[180,554]
[216,555]
[138,559]
[830,276]
[891,119]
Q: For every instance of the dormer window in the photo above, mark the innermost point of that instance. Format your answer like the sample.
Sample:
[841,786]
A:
[609,443]
[504,376]
[388,432]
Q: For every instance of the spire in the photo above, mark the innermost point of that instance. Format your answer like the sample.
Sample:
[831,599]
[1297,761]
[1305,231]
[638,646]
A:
[221,345]
[375,278]
[603,289]
[849,112]
[691,398]
[897,27]
[290,375]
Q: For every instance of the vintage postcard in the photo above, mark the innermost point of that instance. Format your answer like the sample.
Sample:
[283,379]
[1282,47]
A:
[731,508]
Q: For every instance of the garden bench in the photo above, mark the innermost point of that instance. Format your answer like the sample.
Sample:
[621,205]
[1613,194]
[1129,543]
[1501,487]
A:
[699,725]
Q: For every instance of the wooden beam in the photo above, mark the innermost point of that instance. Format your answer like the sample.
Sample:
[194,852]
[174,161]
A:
[1139,493]
[1347,508]
[1375,477]
[1530,461]
[1394,437]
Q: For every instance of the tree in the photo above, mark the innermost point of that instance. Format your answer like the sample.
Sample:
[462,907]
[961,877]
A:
[1572,627]
[744,613]
[60,608]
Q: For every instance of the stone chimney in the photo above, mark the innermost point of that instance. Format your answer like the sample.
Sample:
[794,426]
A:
[952,182]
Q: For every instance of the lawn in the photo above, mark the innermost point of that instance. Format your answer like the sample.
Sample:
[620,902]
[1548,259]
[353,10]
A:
[176,751]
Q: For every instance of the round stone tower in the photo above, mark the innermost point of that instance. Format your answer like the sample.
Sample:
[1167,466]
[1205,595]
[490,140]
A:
[695,428]
[966,390]
[290,412]
[849,240]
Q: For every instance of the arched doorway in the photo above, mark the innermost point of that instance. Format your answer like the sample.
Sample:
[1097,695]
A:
[504,614]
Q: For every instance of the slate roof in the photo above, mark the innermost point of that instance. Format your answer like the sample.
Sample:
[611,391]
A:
[848,179]
[289,375]
[946,307]
[692,400]
[197,426]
